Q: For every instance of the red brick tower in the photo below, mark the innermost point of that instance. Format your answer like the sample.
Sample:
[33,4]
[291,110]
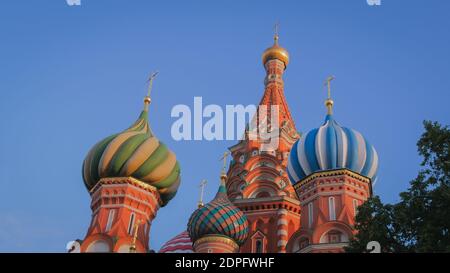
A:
[332,169]
[258,183]
[129,175]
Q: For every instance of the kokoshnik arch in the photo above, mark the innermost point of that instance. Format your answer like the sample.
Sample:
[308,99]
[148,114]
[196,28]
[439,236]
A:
[302,196]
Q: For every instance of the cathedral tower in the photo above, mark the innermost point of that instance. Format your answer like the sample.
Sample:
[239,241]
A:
[332,169]
[129,175]
[258,183]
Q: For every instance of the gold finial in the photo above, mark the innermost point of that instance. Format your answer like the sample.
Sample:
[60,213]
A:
[329,102]
[202,189]
[147,99]
[275,35]
[276,52]
[133,242]
[223,174]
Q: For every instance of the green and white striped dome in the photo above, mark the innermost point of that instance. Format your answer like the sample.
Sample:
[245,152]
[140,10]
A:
[136,153]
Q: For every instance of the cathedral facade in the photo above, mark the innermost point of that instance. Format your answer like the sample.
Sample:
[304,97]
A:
[299,197]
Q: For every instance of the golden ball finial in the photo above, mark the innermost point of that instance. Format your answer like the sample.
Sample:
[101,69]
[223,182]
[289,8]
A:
[329,104]
[276,52]
[147,101]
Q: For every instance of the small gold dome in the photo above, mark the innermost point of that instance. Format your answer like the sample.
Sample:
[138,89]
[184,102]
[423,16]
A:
[276,52]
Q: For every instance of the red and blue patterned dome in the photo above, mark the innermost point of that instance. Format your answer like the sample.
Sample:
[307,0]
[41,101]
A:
[219,217]
[179,244]
[332,147]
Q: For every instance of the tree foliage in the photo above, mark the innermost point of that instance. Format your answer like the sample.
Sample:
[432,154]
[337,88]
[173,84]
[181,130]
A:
[420,221]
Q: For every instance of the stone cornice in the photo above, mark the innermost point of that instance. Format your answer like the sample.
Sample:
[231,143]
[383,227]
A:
[265,200]
[330,173]
[212,238]
[127,180]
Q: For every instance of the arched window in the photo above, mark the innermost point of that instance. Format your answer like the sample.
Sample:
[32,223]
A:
[262,194]
[131,224]
[110,220]
[334,236]
[332,209]
[310,214]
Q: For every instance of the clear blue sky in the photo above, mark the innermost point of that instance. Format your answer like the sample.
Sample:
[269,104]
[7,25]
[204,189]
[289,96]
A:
[70,76]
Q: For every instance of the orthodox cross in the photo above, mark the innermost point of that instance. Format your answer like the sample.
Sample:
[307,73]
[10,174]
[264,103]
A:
[275,29]
[147,99]
[150,82]
[202,189]
[224,158]
[329,102]
[328,83]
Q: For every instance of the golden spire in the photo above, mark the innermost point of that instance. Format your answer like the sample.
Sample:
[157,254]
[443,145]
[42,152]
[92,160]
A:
[133,242]
[223,173]
[329,102]
[202,189]
[147,99]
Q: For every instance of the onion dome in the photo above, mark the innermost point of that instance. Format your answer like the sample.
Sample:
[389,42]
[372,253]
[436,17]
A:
[137,153]
[330,147]
[220,218]
[179,244]
[276,52]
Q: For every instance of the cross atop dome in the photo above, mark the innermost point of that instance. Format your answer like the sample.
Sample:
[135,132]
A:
[147,99]
[276,52]
[329,102]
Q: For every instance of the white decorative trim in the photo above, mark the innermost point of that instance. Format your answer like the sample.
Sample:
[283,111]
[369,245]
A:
[272,211]
[310,214]
[282,212]
[125,195]
[265,199]
[121,206]
[321,247]
[332,208]
[282,232]
[325,194]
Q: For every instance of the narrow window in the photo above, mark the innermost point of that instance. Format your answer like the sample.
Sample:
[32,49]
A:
[131,224]
[110,219]
[310,214]
[355,206]
[332,209]
[259,246]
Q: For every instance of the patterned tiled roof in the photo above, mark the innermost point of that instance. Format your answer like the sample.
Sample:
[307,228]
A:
[179,244]
[219,217]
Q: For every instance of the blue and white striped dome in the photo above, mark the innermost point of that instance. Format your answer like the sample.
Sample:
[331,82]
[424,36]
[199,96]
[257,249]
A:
[332,147]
